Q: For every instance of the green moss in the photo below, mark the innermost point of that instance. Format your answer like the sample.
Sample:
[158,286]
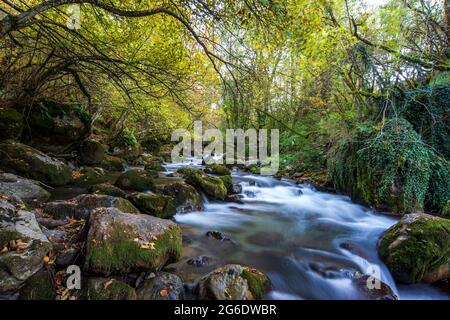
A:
[40,286]
[88,176]
[137,180]
[423,246]
[121,254]
[227,181]
[217,169]
[257,282]
[11,124]
[113,164]
[9,235]
[107,289]
[255,170]
[108,189]
[211,186]
[154,204]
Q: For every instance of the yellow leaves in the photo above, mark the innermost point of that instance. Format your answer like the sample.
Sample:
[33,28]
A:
[163,293]
[148,245]
[46,259]
[18,246]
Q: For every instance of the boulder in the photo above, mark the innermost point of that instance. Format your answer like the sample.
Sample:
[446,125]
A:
[201,261]
[417,249]
[56,128]
[235,189]
[368,291]
[212,186]
[233,282]
[87,176]
[23,247]
[112,163]
[81,206]
[217,169]
[29,191]
[106,289]
[33,164]
[164,286]
[39,286]
[185,197]
[154,204]
[149,162]
[67,257]
[126,146]
[108,189]
[11,124]
[136,180]
[120,242]
[92,152]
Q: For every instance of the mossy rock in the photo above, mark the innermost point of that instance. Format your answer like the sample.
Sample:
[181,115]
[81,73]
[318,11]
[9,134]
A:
[11,124]
[28,191]
[185,197]
[33,164]
[126,146]
[40,286]
[112,163]
[106,289]
[92,152]
[154,204]
[136,180]
[417,249]
[108,189]
[120,243]
[218,169]
[169,284]
[212,186]
[227,182]
[233,282]
[89,176]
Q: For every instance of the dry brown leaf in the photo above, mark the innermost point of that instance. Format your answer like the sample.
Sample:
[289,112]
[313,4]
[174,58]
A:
[163,293]
[107,284]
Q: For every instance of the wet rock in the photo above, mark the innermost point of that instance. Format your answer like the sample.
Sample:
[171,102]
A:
[233,282]
[217,169]
[82,206]
[201,261]
[67,257]
[121,242]
[227,182]
[236,188]
[265,238]
[417,249]
[11,124]
[26,246]
[29,191]
[217,235]
[234,198]
[39,286]
[154,204]
[212,186]
[106,289]
[88,176]
[373,289]
[136,180]
[112,163]
[164,286]
[92,152]
[33,164]
[52,223]
[126,146]
[108,190]
[185,197]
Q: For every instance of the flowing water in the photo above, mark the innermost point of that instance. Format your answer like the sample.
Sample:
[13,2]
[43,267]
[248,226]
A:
[308,242]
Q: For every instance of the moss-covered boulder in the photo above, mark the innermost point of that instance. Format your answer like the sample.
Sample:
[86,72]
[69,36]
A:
[218,169]
[106,289]
[57,128]
[212,186]
[23,247]
[29,191]
[149,162]
[108,189]
[417,249]
[163,286]
[126,146]
[154,204]
[367,290]
[92,152]
[136,180]
[11,124]
[227,182]
[82,206]
[233,282]
[112,163]
[33,164]
[120,242]
[185,197]
[39,286]
[88,176]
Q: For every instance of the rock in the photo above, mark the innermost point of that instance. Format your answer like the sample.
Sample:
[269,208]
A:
[234,198]
[185,197]
[217,169]
[417,249]
[136,180]
[11,124]
[92,152]
[233,282]
[33,164]
[126,146]
[56,128]
[88,176]
[121,242]
[217,235]
[227,182]
[149,162]
[368,291]
[164,286]
[29,191]
[27,247]
[106,289]
[82,206]
[112,163]
[211,186]
[235,189]
[200,261]
[39,286]
[52,223]
[67,257]
[108,189]
[154,204]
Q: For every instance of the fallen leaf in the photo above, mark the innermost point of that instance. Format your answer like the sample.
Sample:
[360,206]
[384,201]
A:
[163,293]
[46,259]
[107,284]
[4,250]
